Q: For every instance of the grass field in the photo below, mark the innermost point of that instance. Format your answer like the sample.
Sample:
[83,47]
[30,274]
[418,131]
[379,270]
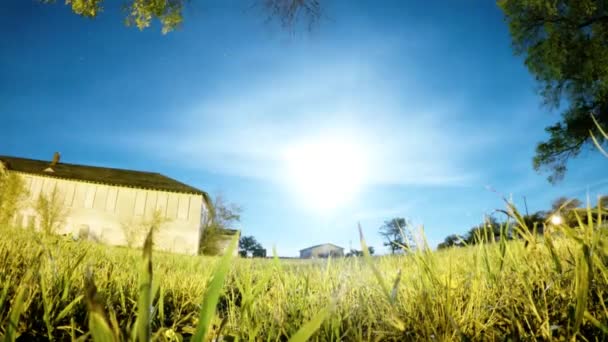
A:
[555,288]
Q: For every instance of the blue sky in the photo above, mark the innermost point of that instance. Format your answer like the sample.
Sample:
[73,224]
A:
[431,95]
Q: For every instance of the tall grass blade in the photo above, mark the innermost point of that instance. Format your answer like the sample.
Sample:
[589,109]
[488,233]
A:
[212,294]
[144,302]
[98,325]
[395,289]
[67,279]
[596,322]
[595,141]
[368,259]
[68,308]
[4,292]
[308,329]
[17,309]
[581,287]
[554,256]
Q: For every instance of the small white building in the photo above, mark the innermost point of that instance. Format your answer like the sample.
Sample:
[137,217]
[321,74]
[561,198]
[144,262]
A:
[322,251]
[100,202]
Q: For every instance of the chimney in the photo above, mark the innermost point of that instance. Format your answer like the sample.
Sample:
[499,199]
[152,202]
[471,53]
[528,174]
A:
[56,157]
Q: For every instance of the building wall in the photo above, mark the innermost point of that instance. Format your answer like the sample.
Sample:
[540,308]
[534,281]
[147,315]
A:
[105,211]
[322,251]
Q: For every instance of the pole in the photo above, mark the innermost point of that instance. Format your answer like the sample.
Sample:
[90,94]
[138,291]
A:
[526,206]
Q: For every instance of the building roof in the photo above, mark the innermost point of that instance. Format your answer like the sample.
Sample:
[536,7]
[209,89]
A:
[95,174]
[323,244]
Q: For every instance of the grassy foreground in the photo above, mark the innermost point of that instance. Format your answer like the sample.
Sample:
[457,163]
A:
[554,288]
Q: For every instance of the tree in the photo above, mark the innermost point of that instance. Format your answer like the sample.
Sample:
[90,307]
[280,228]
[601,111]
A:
[259,253]
[565,44]
[169,13]
[222,216]
[565,208]
[12,195]
[225,214]
[535,221]
[249,245]
[397,236]
[489,230]
[354,253]
[603,202]
[564,204]
[451,241]
[51,211]
[358,253]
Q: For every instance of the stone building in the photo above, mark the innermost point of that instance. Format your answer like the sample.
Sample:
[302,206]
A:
[322,251]
[103,203]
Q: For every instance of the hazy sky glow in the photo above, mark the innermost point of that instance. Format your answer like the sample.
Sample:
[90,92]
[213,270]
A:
[404,110]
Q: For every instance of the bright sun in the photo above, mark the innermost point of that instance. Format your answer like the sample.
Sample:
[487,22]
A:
[325,173]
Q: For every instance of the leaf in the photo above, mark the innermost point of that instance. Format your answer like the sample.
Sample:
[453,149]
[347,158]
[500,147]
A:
[99,328]
[18,307]
[308,329]
[68,308]
[377,274]
[98,325]
[213,291]
[596,322]
[144,302]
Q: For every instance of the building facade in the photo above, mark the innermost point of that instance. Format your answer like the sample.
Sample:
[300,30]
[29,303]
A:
[105,204]
[322,251]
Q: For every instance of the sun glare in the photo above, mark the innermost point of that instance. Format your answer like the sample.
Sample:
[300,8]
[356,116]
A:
[325,173]
[556,219]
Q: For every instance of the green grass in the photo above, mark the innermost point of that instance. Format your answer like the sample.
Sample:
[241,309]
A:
[556,287]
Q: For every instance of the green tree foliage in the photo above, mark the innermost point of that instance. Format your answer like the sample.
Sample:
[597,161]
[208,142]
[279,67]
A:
[565,204]
[259,253]
[248,245]
[487,231]
[222,216]
[225,214]
[12,195]
[603,202]
[51,211]
[169,13]
[397,235]
[358,253]
[535,221]
[451,241]
[565,208]
[490,230]
[565,44]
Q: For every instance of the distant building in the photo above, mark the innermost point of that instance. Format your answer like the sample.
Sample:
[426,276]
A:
[322,251]
[100,202]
